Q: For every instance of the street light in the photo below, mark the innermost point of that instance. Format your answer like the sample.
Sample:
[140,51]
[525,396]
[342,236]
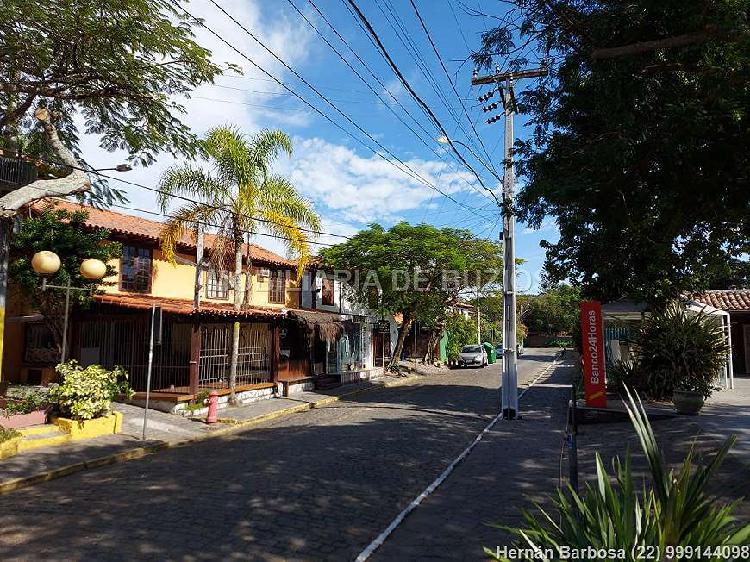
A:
[118,168]
[46,264]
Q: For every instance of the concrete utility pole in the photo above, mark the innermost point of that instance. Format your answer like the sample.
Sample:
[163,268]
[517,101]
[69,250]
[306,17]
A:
[504,86]
[479,329]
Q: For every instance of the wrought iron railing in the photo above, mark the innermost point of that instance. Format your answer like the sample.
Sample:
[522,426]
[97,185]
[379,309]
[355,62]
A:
[16,172]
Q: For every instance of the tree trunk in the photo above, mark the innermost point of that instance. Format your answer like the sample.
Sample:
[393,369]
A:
[402,333]
[435,337]
[75,182]
[236,326]
[248,277]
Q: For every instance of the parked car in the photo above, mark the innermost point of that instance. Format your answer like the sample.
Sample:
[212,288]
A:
[472,356]
[499,351]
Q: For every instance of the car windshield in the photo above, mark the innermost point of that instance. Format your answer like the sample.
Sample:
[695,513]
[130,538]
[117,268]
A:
[471,349]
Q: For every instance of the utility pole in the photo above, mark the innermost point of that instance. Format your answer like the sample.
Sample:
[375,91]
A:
[504,86]
[479,330]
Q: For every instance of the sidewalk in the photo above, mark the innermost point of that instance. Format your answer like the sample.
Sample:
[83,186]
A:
[515,463]
[164,431]
[726,413]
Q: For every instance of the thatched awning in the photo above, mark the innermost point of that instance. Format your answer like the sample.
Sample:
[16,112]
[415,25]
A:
[330,325]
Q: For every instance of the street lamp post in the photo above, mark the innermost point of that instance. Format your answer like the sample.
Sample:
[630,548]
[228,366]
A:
[46,264]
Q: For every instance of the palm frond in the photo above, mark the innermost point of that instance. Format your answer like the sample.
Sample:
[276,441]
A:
[296,240]
[267,145]
[190,182]
[279,195]
[184,219]
[232,156]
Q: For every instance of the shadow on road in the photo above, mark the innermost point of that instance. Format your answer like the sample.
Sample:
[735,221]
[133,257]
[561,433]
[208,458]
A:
[317,485]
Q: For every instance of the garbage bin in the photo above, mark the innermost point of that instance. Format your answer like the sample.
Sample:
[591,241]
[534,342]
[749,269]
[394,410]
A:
[491,353]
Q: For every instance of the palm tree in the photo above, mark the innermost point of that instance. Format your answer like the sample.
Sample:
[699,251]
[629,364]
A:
[237,195]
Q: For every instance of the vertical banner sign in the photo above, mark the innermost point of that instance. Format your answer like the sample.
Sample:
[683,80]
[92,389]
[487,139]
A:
[592,333]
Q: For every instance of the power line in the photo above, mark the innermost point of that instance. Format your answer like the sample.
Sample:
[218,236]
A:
[416,96]
[354,70]
[367,67]
[410,171]
[458,25]
[453,86]
[183,198]
[405,38]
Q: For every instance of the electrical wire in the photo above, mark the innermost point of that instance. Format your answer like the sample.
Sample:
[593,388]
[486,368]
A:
[405,38]
[416,96]
[453,86]
[202,24]
[429,146]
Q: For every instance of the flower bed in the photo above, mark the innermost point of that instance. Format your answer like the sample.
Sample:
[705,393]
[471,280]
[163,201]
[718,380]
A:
[24,407]
[9,440]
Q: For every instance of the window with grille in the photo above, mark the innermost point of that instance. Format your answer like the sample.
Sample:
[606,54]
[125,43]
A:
[135,269]
[277,286]
[217,284]
[326,292]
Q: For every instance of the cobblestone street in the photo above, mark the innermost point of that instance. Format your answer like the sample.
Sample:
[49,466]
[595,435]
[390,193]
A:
[312,486]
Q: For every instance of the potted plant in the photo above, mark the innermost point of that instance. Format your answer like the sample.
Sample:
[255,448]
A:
[679,355]
[84,397]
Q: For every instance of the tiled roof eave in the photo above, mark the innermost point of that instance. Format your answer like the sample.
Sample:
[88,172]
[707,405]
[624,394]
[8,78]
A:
[729,300]
[184,307]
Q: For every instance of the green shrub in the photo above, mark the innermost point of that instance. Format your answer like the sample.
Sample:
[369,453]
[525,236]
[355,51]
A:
[199,402]
[677,349]
[25,400]
[8,434]
[673,509]
[87,393]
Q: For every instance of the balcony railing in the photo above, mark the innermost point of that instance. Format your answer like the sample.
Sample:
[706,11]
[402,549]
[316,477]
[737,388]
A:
[15,173]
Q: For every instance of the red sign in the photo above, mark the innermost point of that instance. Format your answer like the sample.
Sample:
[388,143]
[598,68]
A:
[593,354]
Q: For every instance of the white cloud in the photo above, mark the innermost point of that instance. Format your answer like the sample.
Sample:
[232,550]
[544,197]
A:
[248,102]
[367,189]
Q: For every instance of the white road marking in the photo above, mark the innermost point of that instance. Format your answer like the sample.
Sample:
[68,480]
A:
[381,538]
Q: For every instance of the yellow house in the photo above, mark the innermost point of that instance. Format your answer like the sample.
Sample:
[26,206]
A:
[195,335]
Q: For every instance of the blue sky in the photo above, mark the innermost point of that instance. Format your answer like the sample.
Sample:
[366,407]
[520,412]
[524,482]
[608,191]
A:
[348,183]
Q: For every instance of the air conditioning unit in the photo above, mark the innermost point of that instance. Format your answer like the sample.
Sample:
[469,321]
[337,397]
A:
[264,272]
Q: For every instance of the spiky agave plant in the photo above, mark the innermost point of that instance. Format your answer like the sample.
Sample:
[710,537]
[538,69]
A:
[673,509]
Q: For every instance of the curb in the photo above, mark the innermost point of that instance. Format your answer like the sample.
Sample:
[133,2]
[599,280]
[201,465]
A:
[142,451]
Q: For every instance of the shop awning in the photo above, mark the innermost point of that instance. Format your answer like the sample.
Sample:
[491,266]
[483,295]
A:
[329,324]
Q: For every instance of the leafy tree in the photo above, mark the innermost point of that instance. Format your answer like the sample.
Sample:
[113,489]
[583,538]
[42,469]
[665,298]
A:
[64,233]
[640,138]
[555,311]
[461,331]
[237,195]
[415,271]
[116,64]
[491,316]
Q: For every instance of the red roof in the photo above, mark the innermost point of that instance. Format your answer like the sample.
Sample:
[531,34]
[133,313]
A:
[130,225]
[725,299]
[185,307]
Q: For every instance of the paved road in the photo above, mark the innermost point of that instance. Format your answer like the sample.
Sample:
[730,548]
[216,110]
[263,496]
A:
[314,486]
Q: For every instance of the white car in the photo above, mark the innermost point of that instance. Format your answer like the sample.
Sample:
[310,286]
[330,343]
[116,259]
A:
[472,356]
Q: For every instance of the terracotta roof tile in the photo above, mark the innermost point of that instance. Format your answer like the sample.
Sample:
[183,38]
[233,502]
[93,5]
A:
[728,299]
[185,307]
[122,224]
